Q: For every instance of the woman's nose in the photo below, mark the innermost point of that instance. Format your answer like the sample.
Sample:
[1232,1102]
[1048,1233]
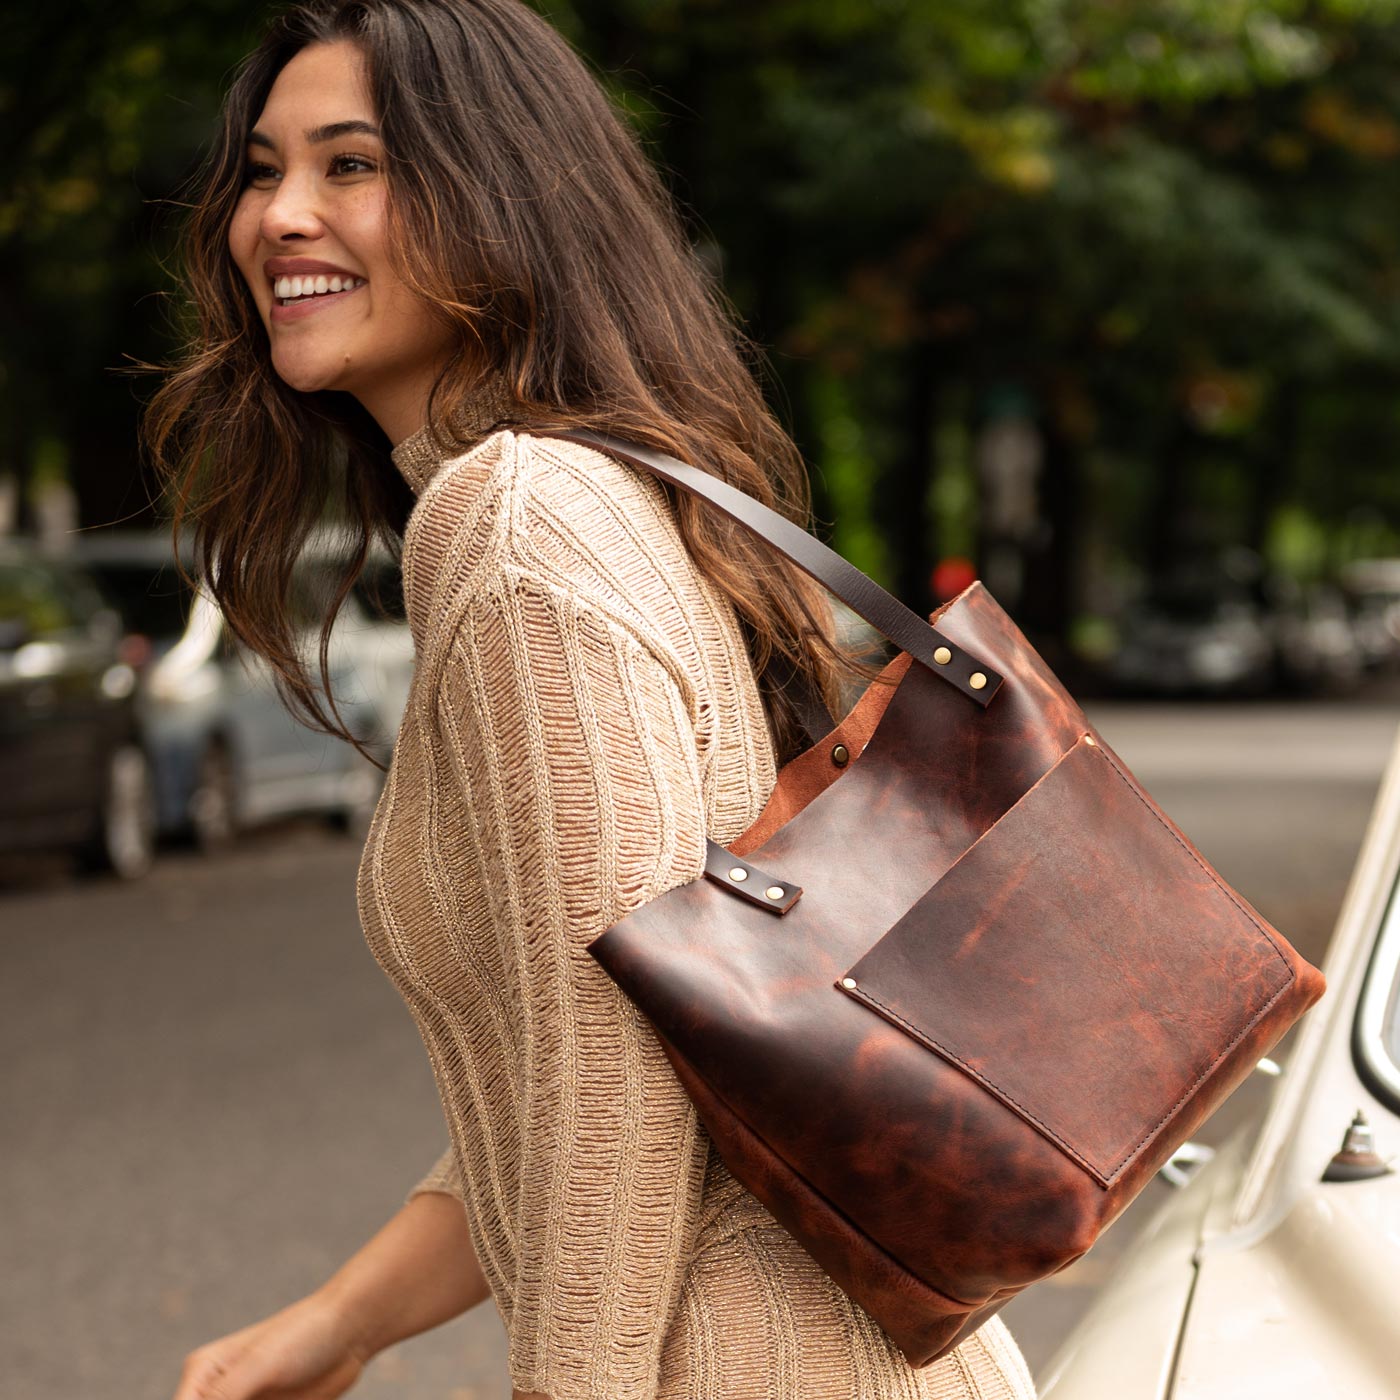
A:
[294,211]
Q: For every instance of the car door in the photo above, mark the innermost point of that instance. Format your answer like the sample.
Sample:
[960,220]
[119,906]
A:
[55,716]
[286,765]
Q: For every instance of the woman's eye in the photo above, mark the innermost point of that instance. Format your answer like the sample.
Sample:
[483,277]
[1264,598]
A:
[255,173]
[351,165]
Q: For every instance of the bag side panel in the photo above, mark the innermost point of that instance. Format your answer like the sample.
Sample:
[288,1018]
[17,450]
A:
[1082,962]
[924,1323]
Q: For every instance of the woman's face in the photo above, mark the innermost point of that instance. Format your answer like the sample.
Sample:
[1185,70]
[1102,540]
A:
[309,236]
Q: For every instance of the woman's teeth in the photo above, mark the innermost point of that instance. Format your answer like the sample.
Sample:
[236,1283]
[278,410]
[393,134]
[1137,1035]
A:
[290,288]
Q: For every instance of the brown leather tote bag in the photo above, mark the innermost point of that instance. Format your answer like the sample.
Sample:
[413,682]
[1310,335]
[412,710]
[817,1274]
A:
[963,987]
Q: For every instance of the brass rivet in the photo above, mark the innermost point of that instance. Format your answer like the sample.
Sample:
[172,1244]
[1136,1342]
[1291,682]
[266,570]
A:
[1088,739]
[943,656]
[840,755]
[977,680]
[738,873]
[775,891]
[848,982]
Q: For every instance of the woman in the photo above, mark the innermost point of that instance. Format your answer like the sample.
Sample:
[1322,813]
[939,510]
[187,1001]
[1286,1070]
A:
[423,233]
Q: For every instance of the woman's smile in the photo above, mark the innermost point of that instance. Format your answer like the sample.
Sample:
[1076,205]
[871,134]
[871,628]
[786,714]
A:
[293,298]
[303,285]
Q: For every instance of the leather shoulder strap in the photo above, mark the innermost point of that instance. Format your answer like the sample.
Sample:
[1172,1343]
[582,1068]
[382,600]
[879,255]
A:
[905,628]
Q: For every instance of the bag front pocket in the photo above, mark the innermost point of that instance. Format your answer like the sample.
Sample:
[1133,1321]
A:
[1081,961]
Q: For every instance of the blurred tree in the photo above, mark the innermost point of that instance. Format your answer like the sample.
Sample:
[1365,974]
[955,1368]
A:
[1167,222]
[105,109]
[1164,229]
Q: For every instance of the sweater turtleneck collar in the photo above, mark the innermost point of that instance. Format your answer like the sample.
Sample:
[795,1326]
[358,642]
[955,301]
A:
[420,455]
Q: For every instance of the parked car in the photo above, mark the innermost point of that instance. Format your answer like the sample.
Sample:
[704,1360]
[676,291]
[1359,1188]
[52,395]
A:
[1317,647]
[74,772]
[1229,627]
[1372,588]
[227,753]
[1195,636]
[1275,1270]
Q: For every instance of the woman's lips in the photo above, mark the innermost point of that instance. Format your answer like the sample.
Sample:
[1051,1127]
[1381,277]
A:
[307,306]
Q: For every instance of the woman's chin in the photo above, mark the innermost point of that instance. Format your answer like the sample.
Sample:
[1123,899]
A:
[307,376]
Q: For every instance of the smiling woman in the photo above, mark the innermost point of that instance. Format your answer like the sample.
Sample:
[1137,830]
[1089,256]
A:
[424,241]
[315,208]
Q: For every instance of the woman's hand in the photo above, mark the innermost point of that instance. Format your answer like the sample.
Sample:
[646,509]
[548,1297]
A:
[308,1351]
[420,1270]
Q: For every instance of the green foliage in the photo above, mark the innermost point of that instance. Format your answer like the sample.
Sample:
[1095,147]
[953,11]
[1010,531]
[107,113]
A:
[105,111]
[1172,220]
[847,467]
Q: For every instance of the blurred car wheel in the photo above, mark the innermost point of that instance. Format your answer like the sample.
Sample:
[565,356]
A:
[125,843]
[214,802]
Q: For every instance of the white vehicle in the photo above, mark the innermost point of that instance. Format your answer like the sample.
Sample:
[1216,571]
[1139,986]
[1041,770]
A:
[1275,1271]
[227,753]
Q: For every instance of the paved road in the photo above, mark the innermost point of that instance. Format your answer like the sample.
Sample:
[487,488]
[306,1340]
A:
[212,1095]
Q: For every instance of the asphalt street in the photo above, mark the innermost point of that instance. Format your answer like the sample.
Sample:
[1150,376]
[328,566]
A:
[212,1095]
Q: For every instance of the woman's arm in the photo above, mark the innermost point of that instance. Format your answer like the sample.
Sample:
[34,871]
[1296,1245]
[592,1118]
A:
[578,788]
[405,1252]
[419,1271]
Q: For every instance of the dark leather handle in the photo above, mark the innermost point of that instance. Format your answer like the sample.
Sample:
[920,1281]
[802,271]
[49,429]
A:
[882,610]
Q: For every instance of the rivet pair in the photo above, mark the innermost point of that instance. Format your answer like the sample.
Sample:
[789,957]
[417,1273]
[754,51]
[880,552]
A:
[977,680]
[738,874]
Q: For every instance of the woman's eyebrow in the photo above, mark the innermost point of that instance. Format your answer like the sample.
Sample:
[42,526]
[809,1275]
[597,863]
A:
[318,135]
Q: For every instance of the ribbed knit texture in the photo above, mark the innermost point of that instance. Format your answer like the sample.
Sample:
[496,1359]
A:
[583,713]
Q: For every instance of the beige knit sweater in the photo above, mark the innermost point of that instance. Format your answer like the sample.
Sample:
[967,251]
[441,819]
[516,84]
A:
[583,713]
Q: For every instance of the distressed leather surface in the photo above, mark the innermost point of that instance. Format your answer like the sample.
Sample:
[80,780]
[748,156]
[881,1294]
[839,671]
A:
[880,1152]
[1037,966]
[800,779]
[922,1321]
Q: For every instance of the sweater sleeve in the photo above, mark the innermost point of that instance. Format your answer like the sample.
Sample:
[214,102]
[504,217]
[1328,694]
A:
[444,1175]
[574,745]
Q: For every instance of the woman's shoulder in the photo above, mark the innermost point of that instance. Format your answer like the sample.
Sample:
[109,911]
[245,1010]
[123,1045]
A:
[566,514]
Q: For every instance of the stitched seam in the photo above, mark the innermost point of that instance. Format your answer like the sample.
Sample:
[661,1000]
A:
[860,993]
[1289,975]
[1216,880]
[1203,1076]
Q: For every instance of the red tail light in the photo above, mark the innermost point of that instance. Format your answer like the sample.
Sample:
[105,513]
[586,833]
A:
[135,649]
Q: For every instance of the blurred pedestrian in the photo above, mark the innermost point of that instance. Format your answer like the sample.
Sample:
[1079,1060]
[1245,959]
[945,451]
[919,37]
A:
[424,237]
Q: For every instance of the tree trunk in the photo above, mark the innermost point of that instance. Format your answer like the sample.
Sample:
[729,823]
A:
[1049,593]
[1169,497]
[1274,464]
[901,501]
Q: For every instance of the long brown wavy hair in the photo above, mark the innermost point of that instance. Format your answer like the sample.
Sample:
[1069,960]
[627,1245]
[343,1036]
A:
[524,209]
